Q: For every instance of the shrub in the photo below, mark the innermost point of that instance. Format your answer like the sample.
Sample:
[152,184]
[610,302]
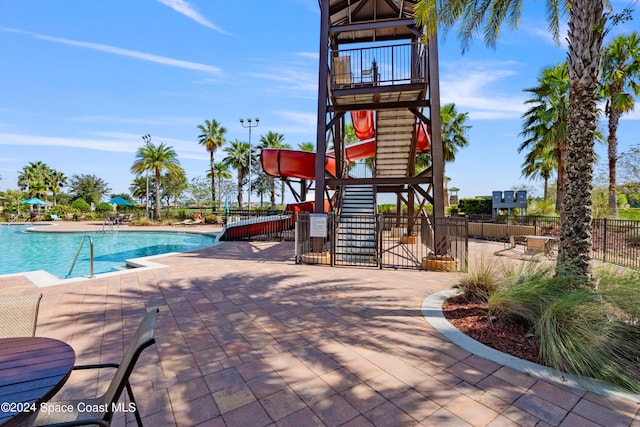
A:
[210,219]
[104,207]
[81,205]
[62,210]
[588,329]
[480,281]
[478,205]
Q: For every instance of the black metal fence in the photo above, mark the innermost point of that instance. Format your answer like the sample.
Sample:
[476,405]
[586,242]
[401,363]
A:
[385,241]
[380,65]
[615,241]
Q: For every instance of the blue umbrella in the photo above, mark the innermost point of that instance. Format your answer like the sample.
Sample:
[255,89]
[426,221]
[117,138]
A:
[119,201]
[33,201]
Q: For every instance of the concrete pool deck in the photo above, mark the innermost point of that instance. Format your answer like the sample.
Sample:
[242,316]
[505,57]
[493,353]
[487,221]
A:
[245,337]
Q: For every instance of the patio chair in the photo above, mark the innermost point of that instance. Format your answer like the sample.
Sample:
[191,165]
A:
[106,403]
[19,315]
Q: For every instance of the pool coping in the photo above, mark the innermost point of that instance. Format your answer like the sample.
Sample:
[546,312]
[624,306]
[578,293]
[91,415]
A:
[42,278]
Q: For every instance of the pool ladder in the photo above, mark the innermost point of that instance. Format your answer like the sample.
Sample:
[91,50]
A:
[73,264]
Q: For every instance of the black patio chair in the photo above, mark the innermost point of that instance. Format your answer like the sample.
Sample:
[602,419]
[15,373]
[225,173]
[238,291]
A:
[106,403]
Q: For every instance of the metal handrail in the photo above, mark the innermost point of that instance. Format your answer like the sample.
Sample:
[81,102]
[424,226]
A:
[73,264]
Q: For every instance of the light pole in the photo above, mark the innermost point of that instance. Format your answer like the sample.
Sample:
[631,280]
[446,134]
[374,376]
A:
[250,126]
[147,139]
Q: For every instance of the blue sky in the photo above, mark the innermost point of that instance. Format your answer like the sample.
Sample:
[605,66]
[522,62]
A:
[82,81]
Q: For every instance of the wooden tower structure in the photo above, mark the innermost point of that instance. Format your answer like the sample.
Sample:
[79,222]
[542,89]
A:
[372,60]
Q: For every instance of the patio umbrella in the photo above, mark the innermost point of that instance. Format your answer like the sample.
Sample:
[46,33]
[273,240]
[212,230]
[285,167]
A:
[119,201]
[33,201]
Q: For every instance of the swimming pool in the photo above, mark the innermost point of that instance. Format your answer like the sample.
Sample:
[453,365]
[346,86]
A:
[24,251]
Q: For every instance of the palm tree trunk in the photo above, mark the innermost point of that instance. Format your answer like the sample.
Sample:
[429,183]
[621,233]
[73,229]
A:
[562,173]
[213,183]
[612,141]
[586,25]
[240,178]
[158,194]
[272,189]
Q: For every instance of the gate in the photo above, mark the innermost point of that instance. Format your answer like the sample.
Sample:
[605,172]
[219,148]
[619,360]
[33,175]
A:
[400,241]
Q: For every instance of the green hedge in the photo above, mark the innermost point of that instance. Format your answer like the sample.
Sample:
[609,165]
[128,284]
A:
[474,206]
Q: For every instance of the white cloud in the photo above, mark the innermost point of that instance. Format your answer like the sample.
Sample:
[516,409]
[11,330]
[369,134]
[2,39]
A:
[117,145]
[311,55]
[297,122]
[124,52]
[632,115]
[475,88]
[115,142]
[133,120]
[190,12]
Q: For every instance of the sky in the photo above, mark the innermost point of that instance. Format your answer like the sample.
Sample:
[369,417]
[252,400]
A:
[82,81]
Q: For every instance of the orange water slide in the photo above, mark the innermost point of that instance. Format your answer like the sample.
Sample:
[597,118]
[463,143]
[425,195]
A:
[301,164]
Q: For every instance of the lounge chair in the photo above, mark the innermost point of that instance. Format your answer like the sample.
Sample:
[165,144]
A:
[19,315]
[185,222]
[54,217]
[107,402]
[196,222]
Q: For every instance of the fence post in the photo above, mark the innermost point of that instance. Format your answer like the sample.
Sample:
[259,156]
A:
[604,240]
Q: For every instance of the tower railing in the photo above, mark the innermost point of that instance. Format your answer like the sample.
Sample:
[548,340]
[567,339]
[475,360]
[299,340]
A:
[379,66]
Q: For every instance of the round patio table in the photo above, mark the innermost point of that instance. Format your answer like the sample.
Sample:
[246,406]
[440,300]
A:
[32,370]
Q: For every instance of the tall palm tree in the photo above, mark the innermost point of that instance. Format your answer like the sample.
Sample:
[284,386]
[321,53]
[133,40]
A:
[309,147]
[620,86]
[545,122]
[540,164]
[35,178]
[156,158]
[586,31]
[272,140]
[221,172]
[56,182]
[238,158]
[454,136]
[212,137]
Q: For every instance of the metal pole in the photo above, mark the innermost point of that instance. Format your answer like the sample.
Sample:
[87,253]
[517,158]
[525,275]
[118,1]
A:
[250,126]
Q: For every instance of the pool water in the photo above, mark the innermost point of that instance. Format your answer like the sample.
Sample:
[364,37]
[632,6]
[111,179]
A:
[22,251]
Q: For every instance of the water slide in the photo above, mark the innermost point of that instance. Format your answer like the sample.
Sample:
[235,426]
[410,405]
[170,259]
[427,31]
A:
[302,164]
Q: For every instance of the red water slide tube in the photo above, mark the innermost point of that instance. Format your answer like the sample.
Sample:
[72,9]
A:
[302,164]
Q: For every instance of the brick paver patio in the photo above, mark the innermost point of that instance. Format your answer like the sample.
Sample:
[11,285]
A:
[245,337]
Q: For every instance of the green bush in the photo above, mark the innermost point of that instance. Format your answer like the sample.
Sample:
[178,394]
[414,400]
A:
[477,205]
[480,281]
[62,211]
[81,205]
[210,219]
[104,207]
[587,329]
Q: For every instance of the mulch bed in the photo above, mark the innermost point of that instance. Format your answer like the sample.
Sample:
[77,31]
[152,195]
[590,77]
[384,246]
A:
[472,319]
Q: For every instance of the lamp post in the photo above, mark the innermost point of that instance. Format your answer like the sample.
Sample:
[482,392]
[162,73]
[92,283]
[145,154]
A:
[147,139]
[249,125]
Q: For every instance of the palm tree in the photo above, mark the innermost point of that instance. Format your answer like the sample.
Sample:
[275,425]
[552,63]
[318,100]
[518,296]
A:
[586,32]
[57,181]
[212,137]
[156,158]
[454,136]
[540,164]
[620,85]
[545,123]
[35,178]
[238,158]
[272,140]
[221,172]
[309,147]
